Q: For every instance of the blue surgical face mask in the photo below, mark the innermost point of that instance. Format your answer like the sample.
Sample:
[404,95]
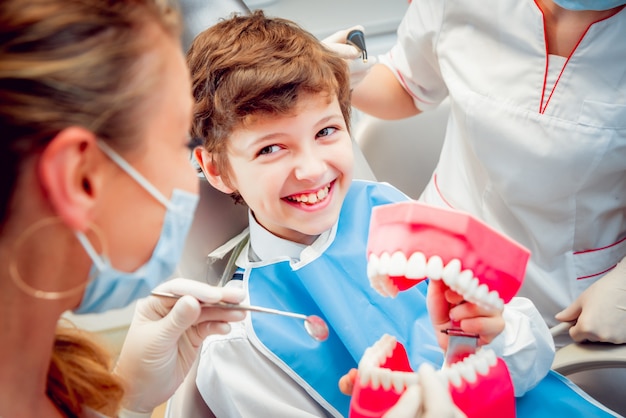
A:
[111,288]
[589,4]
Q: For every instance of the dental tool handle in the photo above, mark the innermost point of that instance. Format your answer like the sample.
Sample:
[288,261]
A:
[224,305]
[561,328]
[236,306]
[357,38]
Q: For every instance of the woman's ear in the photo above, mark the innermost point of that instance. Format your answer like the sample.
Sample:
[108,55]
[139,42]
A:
[70,172]
[210,170]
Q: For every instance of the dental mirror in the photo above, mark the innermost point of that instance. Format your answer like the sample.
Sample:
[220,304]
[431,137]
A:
[314,325]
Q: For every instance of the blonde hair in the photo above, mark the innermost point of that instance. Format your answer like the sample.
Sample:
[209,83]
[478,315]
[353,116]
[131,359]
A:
[248,66]
[75,63]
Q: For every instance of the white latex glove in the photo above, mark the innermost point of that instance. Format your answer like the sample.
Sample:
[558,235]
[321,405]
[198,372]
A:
[164,338]
[600,311]
[427,399]
[358,69]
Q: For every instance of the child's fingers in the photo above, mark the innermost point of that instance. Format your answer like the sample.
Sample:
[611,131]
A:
[487,328]
[346,382]
[453,297]
[438,306]
[472,310]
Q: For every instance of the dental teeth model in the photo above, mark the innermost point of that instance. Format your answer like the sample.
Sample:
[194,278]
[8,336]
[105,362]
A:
[409,242]
[480,385]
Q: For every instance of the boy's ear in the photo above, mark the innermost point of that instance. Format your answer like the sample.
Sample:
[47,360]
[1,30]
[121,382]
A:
[70,173]
[210,170]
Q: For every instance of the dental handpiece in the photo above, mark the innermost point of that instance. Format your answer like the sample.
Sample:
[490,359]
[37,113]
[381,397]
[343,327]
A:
[357,38]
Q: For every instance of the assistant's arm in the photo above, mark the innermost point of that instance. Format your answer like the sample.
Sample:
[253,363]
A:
[381,95]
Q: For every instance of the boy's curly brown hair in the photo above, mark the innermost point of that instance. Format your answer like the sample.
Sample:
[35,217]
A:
[251,66]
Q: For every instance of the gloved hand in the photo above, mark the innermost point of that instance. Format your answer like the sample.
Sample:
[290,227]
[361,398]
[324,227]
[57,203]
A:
[429,398]
[358,69]
[600,311]
[164,338]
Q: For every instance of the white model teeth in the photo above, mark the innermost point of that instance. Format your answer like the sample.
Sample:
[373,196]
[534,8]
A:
[373,375]
[417,267]
[470,367]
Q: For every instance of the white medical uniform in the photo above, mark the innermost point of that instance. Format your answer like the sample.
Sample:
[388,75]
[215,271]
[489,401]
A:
[537,151]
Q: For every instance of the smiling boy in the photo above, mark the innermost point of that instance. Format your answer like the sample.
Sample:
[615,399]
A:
[272,109]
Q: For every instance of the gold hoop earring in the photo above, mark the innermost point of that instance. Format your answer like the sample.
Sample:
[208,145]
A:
[39,293]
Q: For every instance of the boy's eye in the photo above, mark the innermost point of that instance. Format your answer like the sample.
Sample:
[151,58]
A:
[269,149]
[326,132]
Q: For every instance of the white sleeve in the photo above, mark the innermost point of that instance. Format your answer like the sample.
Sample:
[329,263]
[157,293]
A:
[236,380]
[526,344]
[413,59]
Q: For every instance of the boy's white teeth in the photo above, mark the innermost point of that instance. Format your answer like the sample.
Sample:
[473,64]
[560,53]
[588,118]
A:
[311,198]
[372,374]
[418,266]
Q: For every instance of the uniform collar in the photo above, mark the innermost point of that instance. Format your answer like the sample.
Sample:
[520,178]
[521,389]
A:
[265,246]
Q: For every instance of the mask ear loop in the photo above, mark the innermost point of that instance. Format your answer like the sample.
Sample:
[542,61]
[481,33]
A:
[38,293]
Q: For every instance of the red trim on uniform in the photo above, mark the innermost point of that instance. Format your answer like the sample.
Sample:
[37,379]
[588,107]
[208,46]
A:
[545,42]
[597,274]
[542,106]
[406,85]
[439,191]
[601,248]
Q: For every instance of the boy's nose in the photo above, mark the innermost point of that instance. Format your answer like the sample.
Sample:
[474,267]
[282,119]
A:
[310,167]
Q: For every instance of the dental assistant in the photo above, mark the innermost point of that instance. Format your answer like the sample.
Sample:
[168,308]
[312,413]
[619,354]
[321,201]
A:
[95,109]
[536,139]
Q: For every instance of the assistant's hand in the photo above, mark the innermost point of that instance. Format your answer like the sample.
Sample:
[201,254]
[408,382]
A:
[429,398]
[446,306]
[600,311]
[164,338]
[337,42]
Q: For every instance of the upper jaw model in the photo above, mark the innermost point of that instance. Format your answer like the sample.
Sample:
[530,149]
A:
[409,242]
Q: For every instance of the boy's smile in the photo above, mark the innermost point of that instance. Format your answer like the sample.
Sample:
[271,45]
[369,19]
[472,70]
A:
[294,170]
[313,198]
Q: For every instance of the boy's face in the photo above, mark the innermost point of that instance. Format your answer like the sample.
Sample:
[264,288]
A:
[294,171]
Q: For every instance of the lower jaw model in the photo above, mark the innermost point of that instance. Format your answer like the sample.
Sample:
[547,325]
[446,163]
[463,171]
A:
[480,384]
[409,242]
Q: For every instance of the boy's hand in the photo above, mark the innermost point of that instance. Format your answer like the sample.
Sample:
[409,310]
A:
[446,306]
[346,383]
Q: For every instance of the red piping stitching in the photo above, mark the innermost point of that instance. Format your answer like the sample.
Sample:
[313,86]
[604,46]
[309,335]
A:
[545,77]
[439,191]
[597,274]
[601,248]
[545,42]
[406,85]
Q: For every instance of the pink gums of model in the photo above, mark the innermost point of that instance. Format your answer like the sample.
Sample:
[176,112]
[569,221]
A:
[408,242]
